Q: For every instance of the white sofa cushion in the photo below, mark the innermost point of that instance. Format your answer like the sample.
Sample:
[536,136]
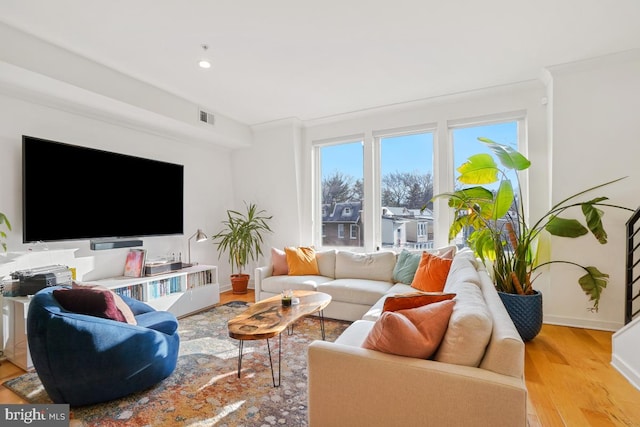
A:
[505,352]
[356,333]
[358,291]
[463,269]
[470,327]
[277,284]
[372,266]
[327,263]
[376,310]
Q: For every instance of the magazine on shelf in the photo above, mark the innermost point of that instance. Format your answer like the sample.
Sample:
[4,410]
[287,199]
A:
[134,265]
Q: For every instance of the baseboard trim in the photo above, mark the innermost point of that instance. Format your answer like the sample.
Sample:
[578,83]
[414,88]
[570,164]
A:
[626,371]
[582,323]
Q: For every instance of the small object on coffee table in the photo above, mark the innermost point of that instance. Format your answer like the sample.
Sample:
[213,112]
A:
[286,298]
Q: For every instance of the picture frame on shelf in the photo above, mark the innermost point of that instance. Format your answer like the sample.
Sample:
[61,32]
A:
[134,265]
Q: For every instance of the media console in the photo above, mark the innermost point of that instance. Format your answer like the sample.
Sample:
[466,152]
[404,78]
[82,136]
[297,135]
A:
[180,292]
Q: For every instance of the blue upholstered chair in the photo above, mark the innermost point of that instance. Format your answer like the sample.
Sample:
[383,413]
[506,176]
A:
[83,359]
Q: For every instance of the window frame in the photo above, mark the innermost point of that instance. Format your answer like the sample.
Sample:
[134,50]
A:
[443,171]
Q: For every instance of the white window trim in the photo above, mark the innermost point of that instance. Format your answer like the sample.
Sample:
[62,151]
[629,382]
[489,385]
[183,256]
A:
[443,168]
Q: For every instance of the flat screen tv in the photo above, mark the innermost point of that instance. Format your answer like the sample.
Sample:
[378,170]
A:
[71,192]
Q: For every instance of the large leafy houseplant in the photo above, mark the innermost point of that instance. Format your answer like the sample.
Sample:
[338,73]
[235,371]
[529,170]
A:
[3,235]
[499,232]
[242,237]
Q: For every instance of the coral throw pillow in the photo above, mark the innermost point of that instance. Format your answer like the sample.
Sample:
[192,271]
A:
[302,261]
[415,332]
[413,300]
[279,262]
[94,302]
[432,273]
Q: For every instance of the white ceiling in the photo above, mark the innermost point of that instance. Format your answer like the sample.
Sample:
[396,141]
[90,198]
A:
[295,58]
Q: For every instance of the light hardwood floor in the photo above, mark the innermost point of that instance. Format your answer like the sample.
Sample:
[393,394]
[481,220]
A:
[568,374]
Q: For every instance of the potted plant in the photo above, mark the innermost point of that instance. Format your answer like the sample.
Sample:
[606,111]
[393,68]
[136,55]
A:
[242,238]
[498,232]
[3,235]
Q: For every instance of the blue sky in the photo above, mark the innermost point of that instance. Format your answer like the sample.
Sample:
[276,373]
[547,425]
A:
[411,153]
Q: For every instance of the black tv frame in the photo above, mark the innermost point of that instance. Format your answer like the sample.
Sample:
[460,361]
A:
[72,192]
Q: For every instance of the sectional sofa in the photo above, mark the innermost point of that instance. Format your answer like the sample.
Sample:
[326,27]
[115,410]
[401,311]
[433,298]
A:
[475,378]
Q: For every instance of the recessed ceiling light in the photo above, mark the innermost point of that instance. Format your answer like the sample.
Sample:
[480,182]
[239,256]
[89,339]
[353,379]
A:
[204,62]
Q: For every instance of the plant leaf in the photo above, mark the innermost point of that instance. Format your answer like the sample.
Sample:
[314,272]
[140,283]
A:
[510,158]
[479,169]
[593,216]
[563,227]
[593,283]
[503,201]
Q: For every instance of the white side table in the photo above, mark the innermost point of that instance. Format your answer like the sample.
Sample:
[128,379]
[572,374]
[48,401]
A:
[14,321]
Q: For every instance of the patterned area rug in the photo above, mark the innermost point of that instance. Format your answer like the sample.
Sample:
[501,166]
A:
[205,390]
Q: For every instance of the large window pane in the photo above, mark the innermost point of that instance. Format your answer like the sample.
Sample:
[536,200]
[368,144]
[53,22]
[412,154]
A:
[342,194]
[406,188]
[465,144]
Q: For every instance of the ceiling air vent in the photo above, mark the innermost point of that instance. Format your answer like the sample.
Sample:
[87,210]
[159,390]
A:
[207,117]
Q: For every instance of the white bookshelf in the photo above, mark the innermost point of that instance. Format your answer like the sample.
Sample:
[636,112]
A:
[180,292]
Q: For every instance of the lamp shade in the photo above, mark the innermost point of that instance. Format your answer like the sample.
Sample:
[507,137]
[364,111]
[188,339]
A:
[200,237]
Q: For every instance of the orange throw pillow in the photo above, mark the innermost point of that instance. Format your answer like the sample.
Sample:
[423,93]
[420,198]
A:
[302,261]
[413,300]
[432,273]
[416,332]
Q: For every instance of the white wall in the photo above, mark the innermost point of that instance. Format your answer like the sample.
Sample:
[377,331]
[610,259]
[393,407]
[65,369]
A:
[207,175]
[594,139]
[268,174]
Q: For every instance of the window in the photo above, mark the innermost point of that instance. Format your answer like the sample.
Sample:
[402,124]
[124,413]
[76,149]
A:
[353,231]
[422,229]
[465,143]
[406,189]
[381,183]
[341,189]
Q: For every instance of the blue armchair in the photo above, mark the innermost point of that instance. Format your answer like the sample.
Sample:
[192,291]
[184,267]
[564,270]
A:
[83,359]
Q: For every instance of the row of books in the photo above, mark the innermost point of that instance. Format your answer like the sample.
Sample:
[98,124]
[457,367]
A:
[201,278]
[133,291]
[162,287]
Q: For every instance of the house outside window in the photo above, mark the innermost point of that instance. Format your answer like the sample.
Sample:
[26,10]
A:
[341,192]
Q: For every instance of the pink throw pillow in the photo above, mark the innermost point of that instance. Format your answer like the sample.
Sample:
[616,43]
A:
[415,332]
[279,262]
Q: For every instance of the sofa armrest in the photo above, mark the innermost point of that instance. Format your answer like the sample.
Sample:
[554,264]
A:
[354,386]
[260,274]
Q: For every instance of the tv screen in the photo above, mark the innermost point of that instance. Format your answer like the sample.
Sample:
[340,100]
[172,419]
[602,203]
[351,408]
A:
[72,193]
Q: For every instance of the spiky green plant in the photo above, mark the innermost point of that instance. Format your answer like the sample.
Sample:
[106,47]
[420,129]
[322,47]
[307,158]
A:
[3,235]
[242,236]
[499,232]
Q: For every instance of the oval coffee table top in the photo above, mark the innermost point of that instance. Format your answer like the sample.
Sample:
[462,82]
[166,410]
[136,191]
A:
[267,318]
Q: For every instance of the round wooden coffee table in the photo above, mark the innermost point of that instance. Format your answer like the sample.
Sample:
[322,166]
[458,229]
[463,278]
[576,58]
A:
[267,318]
